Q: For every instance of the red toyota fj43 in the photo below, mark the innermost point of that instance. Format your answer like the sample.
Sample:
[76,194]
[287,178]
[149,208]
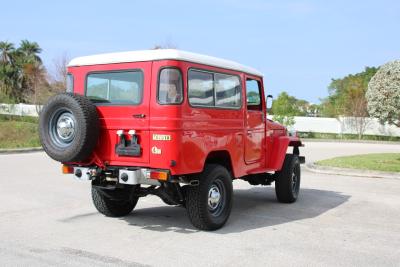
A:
[169,123]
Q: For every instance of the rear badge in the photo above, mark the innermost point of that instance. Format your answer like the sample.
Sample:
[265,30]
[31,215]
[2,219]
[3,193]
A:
[156,150]
[162,137]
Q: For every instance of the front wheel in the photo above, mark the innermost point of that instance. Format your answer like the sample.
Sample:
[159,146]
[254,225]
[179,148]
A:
[287,181]
[115,203]
[209,204]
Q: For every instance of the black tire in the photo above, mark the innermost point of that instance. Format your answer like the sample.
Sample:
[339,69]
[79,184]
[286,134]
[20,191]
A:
[113,207]
[71,145]
[211,216]
[287,182]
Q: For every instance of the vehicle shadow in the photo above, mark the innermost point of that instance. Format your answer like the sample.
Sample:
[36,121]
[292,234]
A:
[252,209]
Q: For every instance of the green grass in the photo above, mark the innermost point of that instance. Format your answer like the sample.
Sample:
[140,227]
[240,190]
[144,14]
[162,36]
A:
[18,118]
[389,162]
[18,132]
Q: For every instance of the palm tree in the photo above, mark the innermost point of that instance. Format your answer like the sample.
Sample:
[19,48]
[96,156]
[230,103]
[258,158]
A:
[21,70]
[29,63]
[6,51]
[29,51]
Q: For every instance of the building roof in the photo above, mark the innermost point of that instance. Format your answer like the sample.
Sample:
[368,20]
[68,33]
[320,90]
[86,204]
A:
[161,54]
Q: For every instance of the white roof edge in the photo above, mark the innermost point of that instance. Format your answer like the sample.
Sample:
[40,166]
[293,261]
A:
[161,54]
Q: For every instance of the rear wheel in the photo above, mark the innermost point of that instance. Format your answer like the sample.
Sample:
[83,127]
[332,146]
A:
[287,182]
[209,204]
[116,203]
[69,127]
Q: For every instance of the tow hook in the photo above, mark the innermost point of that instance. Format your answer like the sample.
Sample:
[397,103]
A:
[93,173]
[85,174]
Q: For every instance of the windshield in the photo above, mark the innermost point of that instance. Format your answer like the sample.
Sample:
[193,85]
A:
[122,87]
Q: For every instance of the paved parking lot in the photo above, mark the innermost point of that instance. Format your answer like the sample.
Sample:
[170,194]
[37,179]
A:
[47,219]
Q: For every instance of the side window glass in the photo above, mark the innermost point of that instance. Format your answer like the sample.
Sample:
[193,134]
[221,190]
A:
[70,83]
[253,95]
[201,91]
[170,86]
[227,90]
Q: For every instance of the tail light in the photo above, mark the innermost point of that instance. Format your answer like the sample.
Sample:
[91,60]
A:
[67,169]
[159,175]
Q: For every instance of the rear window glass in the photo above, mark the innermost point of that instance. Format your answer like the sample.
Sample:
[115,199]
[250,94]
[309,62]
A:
[125,87]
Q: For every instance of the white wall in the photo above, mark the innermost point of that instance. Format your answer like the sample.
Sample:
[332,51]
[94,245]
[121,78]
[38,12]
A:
[302,124]
[20,109]
[341,126]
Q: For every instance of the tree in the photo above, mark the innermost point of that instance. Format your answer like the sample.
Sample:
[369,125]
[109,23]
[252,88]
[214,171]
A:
[286,104]
[283,109]
[342,92]
[383,94]
[21,71]
[34,73]
[32,68]
[302,107]
[314,110]
[8,71]
[6,51]
[30,51]
[58,77]
[347,98]
[286,120]
[167,45]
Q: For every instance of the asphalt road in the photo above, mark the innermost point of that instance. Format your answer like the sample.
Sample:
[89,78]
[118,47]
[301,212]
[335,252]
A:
[47,219]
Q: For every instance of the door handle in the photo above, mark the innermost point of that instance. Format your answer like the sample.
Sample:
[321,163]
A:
[139,116]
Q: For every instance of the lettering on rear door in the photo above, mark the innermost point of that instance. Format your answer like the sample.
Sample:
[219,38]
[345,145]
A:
[162,137]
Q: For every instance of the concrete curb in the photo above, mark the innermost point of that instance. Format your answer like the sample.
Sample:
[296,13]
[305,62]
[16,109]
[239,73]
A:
[20,150]
[351,172]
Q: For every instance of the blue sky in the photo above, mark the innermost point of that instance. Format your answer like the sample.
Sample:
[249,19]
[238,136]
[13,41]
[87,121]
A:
[298,45]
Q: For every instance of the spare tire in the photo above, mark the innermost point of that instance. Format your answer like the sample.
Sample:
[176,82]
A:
[69,127]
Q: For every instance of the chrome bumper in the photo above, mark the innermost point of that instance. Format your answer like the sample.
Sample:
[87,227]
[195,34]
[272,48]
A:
[135,177]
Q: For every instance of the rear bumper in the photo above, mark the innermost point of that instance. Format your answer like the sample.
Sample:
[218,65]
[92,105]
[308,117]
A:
[121,175]
[140,176]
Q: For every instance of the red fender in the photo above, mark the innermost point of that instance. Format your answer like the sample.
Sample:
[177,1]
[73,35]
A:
[279,150]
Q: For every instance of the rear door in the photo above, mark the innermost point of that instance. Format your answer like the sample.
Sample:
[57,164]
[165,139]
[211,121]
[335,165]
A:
[255,121]
[121,93]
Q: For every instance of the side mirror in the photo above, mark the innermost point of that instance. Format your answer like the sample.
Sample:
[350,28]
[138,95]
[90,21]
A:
[269,103]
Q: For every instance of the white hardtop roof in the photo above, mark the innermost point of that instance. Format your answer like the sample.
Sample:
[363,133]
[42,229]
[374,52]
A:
[160,54]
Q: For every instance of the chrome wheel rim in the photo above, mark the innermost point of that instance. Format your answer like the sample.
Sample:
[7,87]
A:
[216,198]
[62,127]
